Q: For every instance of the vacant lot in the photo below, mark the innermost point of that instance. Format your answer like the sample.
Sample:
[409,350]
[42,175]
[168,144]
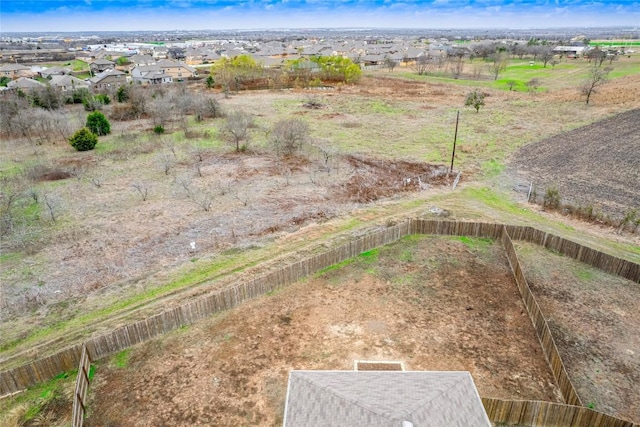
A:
[434,303]
[595,165]
[593,318]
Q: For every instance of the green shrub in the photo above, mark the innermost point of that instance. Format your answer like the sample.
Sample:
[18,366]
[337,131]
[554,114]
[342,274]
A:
[551,198]
[98,123]
[83,140]
[159,129]
[103,98]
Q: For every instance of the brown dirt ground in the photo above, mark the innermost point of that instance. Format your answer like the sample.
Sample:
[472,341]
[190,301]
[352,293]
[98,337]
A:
[592,165]
[593,319]
[434,303]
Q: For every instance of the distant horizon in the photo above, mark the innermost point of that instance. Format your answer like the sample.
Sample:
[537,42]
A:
[66,16]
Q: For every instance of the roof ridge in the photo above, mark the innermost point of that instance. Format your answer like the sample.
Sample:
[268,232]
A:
[341,396]
[426,401]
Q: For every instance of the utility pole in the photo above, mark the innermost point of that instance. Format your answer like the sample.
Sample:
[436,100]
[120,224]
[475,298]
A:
[455,138]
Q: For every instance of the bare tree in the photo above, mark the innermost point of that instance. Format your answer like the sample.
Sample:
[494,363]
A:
[204,199]
[498,65]
[597,77]
[546,55]
[422,64]
[237,127]
[142,189]
[52,203]
[389,63]
[456,59]
[289,135]
[533,84]
[166,162]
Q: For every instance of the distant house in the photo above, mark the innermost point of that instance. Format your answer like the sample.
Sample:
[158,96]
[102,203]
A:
[67,83]
[571,51]
[53,71]
[383,398]
[108,79]
[179,71]
[15,71]
[150,74]
[138,60]
[25,84]
[100,65]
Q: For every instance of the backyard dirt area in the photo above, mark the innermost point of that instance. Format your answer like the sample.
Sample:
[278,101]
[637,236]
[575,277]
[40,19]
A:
[593,319]
[596,165]
[433,303]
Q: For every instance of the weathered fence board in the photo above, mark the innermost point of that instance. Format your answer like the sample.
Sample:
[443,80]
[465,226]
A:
[543,332]
[548,414]
[80,392]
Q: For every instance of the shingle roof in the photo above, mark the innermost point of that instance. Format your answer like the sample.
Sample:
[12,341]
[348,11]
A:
[384,398]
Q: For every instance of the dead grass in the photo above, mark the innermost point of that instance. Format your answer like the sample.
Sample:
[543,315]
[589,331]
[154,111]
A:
[109,245]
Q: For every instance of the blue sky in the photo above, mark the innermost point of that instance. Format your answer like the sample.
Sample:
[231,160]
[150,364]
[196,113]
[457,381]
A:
[115,15]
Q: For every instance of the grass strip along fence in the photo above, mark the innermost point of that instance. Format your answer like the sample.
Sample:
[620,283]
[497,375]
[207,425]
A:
[203,307]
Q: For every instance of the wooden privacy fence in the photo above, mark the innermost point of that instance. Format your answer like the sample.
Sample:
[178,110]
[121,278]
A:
[543,332]
[548,414]
[102,346]
[82,386]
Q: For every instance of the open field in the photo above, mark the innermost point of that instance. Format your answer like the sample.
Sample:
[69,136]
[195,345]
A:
[595,165]
[435,303]
[593,319]
[110,257]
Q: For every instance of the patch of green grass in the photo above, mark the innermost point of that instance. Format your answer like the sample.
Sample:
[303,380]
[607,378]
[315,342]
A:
[10,257]
[382,107]
[369,257]
[406,255]
[121,360]
[492,168]
[36,399]
[334,267]
[475,243]
[584,273]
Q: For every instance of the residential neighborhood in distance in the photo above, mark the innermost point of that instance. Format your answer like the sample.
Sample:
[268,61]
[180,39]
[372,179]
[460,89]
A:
[114,58]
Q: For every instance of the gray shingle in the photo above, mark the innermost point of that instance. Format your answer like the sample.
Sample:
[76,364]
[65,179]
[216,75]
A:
[385,398]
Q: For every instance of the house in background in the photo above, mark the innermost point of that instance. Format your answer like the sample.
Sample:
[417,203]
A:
[150,74]
[383,399]
[25,84]
[14,71]
[67,83]
[108,79]
[53,71]
[100,65]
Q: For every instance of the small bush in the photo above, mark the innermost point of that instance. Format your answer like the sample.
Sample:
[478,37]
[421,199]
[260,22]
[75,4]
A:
[159,129]
[98,123]
[475,99]
[551,198]
[83,140]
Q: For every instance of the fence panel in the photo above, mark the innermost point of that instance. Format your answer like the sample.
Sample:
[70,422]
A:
[82,386]
[548,414]
[540,325]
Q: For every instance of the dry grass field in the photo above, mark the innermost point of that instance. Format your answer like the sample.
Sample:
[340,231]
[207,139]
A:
[146,220]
